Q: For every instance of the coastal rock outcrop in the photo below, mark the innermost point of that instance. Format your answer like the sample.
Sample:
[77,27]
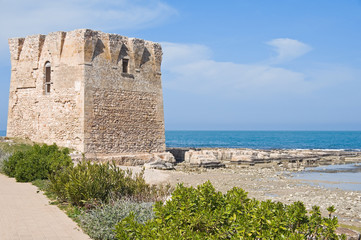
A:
[287,158]
[203,158]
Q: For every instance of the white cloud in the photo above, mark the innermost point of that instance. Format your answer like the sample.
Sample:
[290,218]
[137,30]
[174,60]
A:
[190,68]
[288,49]
[19,18]
[180,54]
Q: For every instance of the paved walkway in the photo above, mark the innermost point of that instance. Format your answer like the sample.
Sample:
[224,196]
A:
[27,215]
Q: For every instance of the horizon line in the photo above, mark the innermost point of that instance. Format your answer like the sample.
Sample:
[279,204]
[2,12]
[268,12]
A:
[252,130]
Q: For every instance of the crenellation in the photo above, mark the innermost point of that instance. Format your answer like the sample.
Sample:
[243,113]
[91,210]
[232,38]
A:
[157,48]
[32,48]
[53,46]
[116,44]
[104,97]
[90,45]
[62,37]
[138,49]
[74,48]
[15,45]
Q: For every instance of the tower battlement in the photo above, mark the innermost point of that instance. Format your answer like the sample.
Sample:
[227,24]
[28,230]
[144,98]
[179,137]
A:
[81,46]
[99,93]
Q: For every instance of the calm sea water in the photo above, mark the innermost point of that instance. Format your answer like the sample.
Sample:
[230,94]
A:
[346,177]
[347,140]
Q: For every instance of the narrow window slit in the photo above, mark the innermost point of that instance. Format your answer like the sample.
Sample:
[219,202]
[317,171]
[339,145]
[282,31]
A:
[125,65]
[47,77]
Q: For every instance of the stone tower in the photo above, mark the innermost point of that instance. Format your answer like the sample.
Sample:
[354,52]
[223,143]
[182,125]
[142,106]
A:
[98,93]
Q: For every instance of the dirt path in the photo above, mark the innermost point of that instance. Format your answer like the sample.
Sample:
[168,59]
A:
[26,214]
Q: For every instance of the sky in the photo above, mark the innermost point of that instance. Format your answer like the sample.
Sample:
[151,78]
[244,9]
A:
[227,65]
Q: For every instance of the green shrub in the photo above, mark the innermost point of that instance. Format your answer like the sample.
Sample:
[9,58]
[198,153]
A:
[204,213]
[36,163]
[99,223]
[89,183]
[6,150]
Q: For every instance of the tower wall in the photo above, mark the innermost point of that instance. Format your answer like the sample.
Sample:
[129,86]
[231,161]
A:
[105,98]
[123,110]
[57,117]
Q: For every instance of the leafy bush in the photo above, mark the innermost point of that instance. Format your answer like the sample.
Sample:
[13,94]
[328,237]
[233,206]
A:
[99,223]
[203,213]
[89,183]
[8,148]
[36,163]
[9,165]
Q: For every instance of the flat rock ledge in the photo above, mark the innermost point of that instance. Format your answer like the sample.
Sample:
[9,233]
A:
[290,159]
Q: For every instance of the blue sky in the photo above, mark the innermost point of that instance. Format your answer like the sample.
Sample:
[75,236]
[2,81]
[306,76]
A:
[227,65]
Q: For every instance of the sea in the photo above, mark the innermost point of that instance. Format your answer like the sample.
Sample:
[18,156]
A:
[342,140]
[337,140]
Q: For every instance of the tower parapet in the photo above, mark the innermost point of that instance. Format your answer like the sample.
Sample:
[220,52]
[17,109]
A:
[97,92]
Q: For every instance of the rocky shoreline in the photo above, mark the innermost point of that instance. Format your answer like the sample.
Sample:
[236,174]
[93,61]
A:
[287,158]
[268,174]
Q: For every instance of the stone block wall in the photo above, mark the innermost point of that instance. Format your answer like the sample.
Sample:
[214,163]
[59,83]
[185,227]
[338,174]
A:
[55,117]
[124,110]
[106,93]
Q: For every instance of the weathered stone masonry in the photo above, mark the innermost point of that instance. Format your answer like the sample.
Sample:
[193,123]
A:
[96,92]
